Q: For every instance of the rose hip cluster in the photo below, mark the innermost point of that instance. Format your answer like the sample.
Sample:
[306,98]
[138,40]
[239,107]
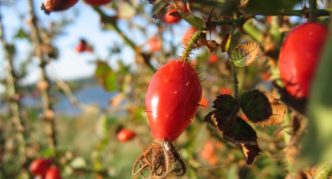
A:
[45,169]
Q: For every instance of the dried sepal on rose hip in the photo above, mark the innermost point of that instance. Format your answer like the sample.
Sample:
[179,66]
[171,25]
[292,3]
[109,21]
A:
[171,102]
[49,6]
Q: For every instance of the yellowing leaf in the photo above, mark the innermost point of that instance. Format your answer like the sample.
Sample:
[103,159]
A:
[245,54]
[278,111]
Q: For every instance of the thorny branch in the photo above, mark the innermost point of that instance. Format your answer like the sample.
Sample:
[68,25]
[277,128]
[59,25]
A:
[14,96]
[111,21]
[48,115]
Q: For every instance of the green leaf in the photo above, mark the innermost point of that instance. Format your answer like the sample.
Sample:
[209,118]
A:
[158,7]
[48,152]
[245,54]
[256,106]
[196,22]
[105,76]
[317,145]
[110,82]
[232,173]
[262,6]
[21,34]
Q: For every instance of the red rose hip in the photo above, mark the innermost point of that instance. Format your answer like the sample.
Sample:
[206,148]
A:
[299,57]
[155,44]
[97,2]
[53,173]
[172,99]
[172,16]
[125,135]
[39,167]
[57,5]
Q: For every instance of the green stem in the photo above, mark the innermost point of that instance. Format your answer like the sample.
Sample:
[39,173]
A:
[235,80]
[111,22]
[231,22]
[312,13]
[316,12]
[312,9]
[46,92]
[190,45]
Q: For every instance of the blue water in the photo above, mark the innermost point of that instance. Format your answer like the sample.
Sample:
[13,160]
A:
[93,95]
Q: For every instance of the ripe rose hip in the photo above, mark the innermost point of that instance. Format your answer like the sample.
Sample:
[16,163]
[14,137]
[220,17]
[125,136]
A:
[172,16]
[172,99]
[97,2]
[53,173]
[204,102]
[299,57]
[208,153]
[125,135]
[39,167]
[83,46]
[155,44]
[213,58]
[57,5]
[225,91]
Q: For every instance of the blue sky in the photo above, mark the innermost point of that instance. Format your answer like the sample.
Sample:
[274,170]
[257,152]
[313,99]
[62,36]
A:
[70,64]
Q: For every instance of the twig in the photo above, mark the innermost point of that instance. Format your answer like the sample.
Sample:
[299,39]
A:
[64,87]
[312,9]
[14,97]
[111,22]
[48,116]
[317,12]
